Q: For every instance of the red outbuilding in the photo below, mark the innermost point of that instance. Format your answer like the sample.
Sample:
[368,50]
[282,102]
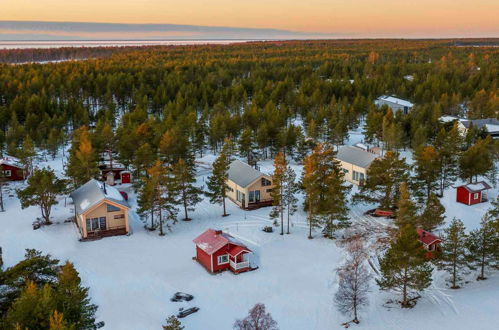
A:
[218,251]
[430,242]
[12,169]
[126,177]
[472,193]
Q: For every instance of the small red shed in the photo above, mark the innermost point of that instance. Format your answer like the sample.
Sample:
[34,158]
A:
[12,169]
[472,193]
[126,177]
[430,241]
[218,251]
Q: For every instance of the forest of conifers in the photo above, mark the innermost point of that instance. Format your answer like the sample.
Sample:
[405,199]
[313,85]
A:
[275,95]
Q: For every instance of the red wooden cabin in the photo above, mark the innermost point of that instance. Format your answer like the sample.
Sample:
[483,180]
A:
[472,193]
[430,242]
[218,251]
[12,169]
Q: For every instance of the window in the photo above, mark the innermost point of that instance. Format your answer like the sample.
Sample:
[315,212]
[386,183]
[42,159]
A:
[269,190]
[119,216]
[102,223]
[94,224]
[254,196]
[266,182]
[345,170]
[230,189]
[8,173]
[223,259]
[475,196]
[356,176]
[239,196]
[112,208]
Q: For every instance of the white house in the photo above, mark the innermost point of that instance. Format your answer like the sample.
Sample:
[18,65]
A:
[394,103]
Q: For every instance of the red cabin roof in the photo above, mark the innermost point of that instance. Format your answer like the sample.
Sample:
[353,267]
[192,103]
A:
[426,237]
[213,240]
[237,249]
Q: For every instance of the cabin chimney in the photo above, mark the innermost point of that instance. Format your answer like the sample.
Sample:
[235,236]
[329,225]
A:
[104,187]
[218,232]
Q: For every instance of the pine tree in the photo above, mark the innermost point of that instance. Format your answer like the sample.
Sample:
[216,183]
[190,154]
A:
[477,160]
[312,192]
[427,167]
[289,197]
[384,177]
[172,323]
[82,164]
[144,158]
[57,322]
[217,182]
[404,266]
[247,145]
[277,193]
[184,177]
[72,299]
[483,244]
[42,190]
[433,215]
[448,146]
[27,155]
[3,181]
[453,255]
[53,142]
[406,210]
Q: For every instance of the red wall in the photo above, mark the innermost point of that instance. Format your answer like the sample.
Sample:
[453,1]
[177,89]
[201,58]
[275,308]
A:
[203,258]
[16,173]
[216,266]
[464,196]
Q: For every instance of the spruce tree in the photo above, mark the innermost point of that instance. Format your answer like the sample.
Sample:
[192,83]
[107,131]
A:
[477,160]
[433,215]
[384,177]
[42,190]
[406,210]
[277,193]
[172,323]
[312,191]
[247,145]
[27,155]
[448,146]
[453,255]
[483,244]
[217,182]
[184,178]
[404,266]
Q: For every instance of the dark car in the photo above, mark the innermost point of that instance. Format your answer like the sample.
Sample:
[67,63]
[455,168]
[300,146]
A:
[188,311]
[181,296]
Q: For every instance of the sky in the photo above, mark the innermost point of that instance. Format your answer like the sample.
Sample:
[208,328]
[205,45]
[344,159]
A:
[352,18]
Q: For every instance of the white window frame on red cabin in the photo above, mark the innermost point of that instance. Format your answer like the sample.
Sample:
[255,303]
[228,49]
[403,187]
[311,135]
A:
[475,196]
[7,173]
[222,262]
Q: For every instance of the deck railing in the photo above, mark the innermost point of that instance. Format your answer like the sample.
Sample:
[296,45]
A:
[239,265]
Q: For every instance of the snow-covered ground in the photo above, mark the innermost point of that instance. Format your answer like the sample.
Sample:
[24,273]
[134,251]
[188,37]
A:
[132,278]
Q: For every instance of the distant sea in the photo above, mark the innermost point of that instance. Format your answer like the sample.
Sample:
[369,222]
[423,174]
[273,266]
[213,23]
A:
[112,43]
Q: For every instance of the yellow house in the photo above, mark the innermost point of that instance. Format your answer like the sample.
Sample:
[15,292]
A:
[355,161]
[248,187]
[100,210]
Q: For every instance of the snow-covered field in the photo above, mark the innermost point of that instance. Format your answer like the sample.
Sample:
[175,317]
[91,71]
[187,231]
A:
[132,278]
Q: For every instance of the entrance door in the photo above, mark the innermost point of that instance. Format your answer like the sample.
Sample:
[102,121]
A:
[102,223]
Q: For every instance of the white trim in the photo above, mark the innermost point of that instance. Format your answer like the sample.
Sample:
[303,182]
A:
[475,195]
[7,173]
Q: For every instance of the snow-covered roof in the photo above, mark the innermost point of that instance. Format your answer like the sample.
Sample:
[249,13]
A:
[395,100]
[448,119]
[243,174]
[426,237]
[356,156]
[477,186]
[11,161]
[92,193]
[491,124]
[213,240]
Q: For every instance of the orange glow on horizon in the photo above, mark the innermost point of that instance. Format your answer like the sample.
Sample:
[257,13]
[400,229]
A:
[324,16]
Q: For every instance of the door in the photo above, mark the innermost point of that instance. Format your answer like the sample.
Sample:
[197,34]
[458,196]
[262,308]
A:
[257,196]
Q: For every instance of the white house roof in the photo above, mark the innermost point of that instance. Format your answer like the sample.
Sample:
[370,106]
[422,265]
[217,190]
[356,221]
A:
[477,186]
[491,124]
[11,161]
[243,174]
[395,100]
[92,193]
[356,156]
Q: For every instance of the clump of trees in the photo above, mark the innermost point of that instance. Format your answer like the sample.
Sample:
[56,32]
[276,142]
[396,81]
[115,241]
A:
[258,319]
[39,293]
